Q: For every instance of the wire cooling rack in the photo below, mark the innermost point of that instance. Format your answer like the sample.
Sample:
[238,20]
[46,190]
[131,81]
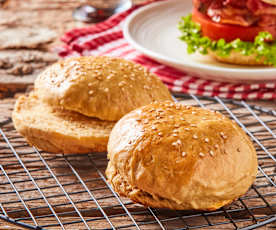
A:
[39,190]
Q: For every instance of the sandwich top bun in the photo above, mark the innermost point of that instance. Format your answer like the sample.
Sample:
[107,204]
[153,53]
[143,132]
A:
[102,87]
[272,2]
[167,155]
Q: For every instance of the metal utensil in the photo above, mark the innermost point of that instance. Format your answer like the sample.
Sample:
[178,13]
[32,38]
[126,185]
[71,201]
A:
[90,13]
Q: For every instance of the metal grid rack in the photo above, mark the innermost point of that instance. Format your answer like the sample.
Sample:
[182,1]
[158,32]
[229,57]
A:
[39,190]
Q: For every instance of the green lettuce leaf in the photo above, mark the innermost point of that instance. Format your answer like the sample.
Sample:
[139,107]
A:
[191,34]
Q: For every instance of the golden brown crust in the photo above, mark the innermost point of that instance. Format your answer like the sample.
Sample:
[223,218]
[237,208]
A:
[59,131]
[167,155]
[102,87]
[272,2]
[238,59]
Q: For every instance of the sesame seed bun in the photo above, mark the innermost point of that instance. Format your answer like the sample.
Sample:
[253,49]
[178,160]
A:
[102,87]
[167,155]
[59,131]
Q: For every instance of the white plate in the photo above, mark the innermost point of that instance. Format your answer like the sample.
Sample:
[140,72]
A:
[153,31]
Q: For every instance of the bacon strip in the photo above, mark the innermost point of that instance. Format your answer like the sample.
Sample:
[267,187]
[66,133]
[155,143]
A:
[238,12]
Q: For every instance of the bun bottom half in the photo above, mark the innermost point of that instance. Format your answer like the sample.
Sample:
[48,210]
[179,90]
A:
[238,59]
[59,131]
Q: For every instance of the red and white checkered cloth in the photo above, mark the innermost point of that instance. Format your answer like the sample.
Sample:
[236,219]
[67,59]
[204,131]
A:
[106,38]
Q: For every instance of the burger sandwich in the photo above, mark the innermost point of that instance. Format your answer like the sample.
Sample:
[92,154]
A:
[232,31]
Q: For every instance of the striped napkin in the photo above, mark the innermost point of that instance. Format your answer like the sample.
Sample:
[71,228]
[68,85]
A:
[106,38]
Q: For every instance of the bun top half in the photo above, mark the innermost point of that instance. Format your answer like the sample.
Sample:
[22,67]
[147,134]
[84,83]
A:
[102,87]
[272,2]
[188,157]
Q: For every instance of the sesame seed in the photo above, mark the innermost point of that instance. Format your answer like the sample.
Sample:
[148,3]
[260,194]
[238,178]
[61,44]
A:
[195,136]
[158,118]
[211,153]
[182,119]
[146,87]
[160,134]
[193,125]
[121,83]
[184,154]
[206,139]
[187,129]
[175,131]
[106,90]
[223,135]
[146,121]
[171,117]
[153,127]
[176,125]
[201,154]
[174,144]
[193,112]
[175,135]
[90,84]
[90,92]
[216,146]
[178,142]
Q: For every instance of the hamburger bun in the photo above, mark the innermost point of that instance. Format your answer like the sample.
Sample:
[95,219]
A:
[272,2]
[238,59]
[103,87]
[167,155]
[76,101]
[59,131]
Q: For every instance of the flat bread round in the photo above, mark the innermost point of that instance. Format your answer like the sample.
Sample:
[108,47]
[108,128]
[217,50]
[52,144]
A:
[25,37]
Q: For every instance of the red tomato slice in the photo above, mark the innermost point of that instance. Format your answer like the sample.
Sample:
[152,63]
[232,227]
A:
[215,31]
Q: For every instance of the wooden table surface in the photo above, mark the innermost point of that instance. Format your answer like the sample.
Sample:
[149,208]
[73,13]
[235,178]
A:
[20,66]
